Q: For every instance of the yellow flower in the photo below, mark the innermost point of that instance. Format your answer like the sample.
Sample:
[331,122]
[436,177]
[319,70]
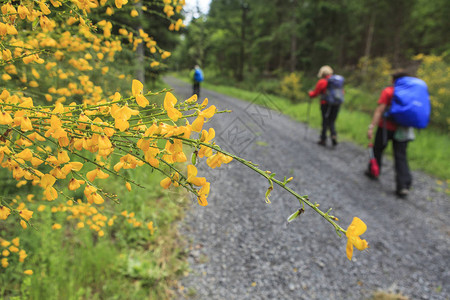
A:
[5,253]
[23,224]
[209,112]
[16,241]
[22,255]
[150,227]
[5,263]
[169,103]
[23,11]
[13,249]
[136,87]
[217,159]
[141,100]
[128,186]
[354,230]
[4,212]
[28,272]
[197,125]
[165,54]
[134,13]
[5,118]
[75,184]
[165,183]
[96,173]
[56,226]
[191,176]
[26,214]
[44,8]
[203,194]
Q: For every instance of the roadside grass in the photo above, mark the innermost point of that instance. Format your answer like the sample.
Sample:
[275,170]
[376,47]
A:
[128,262]
[429,152]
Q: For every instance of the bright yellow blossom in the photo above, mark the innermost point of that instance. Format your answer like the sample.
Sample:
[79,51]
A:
[191,176]
[4,212]
[56,226]
[354,230]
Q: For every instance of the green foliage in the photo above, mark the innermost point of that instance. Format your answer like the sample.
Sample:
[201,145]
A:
[373,74]
[270,86]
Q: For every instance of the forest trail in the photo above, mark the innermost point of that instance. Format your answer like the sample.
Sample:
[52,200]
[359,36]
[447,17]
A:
[242,248]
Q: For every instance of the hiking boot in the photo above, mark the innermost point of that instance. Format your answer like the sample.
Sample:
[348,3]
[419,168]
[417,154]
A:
[370,175]
[334,141]
[322,143]
[402,193]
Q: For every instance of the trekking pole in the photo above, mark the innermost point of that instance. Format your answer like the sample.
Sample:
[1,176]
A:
[308,113]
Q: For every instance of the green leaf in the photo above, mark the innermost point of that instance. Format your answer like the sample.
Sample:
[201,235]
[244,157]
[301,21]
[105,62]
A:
[295,215]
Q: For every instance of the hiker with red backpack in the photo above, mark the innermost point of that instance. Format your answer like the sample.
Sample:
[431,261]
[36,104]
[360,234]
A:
[401,107]
[330,89]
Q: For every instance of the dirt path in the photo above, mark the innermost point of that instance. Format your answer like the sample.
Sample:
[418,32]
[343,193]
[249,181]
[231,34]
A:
[242,247]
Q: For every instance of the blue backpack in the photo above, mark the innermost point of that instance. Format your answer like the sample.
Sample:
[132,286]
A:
[410,105]
[335,90]
[198,75]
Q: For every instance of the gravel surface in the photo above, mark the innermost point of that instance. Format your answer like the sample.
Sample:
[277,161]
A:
[242,248]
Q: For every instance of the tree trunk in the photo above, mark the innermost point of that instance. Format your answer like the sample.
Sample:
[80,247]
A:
[368,42]
[293,58]
[240,71]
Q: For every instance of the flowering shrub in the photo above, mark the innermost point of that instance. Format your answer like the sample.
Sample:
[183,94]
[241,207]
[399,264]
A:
[435,71]
[62,128]
[291,86]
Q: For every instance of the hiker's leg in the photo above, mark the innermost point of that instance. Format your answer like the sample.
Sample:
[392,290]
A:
[379,145]
[334,110]
[403,176]
[196,89]
[324,109]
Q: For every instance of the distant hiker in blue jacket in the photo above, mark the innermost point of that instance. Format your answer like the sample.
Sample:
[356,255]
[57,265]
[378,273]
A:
[389,130]
[197,78]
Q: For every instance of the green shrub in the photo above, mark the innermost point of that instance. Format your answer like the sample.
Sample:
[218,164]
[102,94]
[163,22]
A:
[373,74]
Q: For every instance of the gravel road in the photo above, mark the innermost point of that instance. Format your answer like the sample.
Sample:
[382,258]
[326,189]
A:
[243,248]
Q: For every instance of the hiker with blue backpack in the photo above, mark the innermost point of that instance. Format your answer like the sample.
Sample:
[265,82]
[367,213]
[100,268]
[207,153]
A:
[197,78]
[330,88]
[401,107]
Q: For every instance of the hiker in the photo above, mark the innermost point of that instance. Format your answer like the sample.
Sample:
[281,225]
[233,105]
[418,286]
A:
[330,89]
[399,135]
[197,77]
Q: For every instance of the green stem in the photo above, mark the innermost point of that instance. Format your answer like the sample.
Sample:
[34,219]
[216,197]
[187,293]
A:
[302,199]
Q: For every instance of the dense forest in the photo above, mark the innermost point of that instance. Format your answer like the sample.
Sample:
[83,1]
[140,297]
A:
[278,46]
[245,36]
